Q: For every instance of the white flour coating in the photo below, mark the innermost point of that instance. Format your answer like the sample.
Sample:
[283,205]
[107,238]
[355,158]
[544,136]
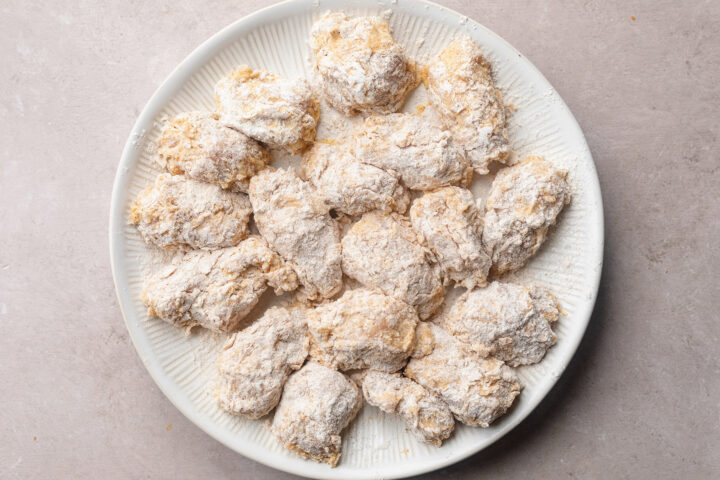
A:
[452,227]
[415,148]
[297,224]
[216,289]
[360,67]
[476,390]
[335,126]
[426,416]
[363,329]
[383,252]
[179,212]
[507,321]
[523,203]
[316,405]
[278,112]
[199,146]
[256,362]
[460,85]
[350,186]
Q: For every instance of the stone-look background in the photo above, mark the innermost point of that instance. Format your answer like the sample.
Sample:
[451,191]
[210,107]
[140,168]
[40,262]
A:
[640,399]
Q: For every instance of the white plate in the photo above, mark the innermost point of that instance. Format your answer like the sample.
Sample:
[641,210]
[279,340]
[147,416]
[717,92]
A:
[376,445]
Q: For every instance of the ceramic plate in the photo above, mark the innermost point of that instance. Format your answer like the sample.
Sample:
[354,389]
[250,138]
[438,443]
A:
[275,39]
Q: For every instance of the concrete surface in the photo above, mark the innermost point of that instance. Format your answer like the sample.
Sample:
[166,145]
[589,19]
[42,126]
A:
[640,400]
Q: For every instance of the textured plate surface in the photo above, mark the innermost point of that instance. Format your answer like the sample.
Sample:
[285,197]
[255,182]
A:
[275,39]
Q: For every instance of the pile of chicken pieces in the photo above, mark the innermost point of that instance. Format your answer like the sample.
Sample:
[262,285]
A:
[369,232]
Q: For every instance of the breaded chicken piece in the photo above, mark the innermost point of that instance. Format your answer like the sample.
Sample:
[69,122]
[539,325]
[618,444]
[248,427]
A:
[297,224]
[216,289]
[426,416]
[524,201]
[384,253]
[476,390]
[452,227]
[278,112]
[507,321]
[360,67]
[417,149]
[316,405]
[363,329]
[349,186]
[201,147]
[461,87]
[256,362]
[180,212]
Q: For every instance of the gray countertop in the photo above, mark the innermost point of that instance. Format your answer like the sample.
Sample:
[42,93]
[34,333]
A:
[641,397]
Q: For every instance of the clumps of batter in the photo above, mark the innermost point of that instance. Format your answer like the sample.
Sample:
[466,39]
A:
[461,87]
[360,67]
[476,390]
[217,289]
[199,146]
[524,202]
[384,253]
[425,414]
[177,212]
[278,112]
[316,406]
[415,148]
[350,186]
[256,362]
[363,329]
[507,321]
[452,227]
[297,224]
